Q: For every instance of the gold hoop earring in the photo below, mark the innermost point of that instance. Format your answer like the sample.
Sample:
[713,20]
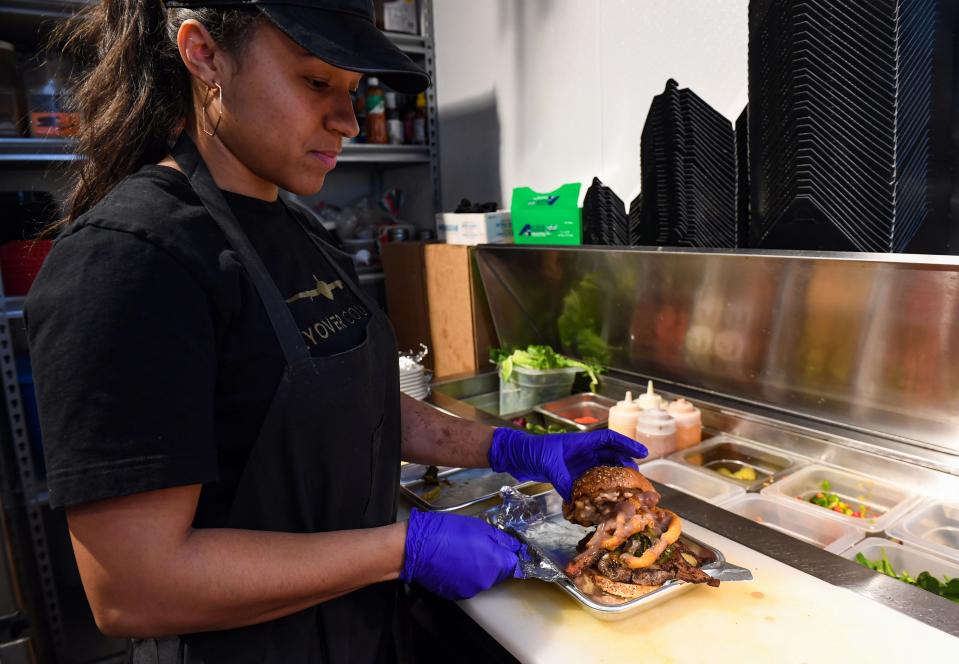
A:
[219,117]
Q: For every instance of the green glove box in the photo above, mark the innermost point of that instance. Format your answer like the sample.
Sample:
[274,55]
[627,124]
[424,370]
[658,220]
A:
[550,218]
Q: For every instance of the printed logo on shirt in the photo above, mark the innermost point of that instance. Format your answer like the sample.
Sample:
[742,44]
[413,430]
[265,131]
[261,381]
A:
[329,326]
[322,288]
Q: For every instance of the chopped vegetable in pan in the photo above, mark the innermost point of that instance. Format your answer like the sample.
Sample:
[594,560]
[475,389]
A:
[948,588]
[831,501]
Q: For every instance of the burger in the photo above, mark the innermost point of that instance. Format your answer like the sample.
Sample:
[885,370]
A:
[636,546]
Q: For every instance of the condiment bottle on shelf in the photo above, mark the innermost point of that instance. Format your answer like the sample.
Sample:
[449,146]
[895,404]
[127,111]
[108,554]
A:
[623,416]
[376,131]
[419,120]
[650,399]
[394,125]
[409,134]
[657,431]
[689,423]
[359,107]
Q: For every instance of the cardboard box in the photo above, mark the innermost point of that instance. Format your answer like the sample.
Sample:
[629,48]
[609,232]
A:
[400,16]
[434,292]
[460,323]
[551,218]
[471,228]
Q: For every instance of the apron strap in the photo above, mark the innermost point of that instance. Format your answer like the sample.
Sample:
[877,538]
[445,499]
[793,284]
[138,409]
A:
[284,325]
[163,650]
[341,273]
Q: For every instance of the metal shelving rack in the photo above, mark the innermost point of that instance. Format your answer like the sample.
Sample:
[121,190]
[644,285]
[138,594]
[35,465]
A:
[36,632]
[17,152]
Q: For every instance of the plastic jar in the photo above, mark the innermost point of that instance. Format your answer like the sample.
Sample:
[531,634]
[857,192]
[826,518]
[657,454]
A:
[46,96]
[624,415]
[689,423]
[656,429]
[11,93]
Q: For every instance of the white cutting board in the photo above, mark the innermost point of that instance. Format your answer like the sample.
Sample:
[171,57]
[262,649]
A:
[783,615]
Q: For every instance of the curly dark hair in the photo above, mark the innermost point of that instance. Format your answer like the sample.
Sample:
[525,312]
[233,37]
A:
[133,91]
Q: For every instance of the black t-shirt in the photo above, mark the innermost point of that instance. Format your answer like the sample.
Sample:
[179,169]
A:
[153,357]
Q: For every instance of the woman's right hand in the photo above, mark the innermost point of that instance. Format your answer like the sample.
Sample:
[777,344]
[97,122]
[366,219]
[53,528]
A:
[457,556]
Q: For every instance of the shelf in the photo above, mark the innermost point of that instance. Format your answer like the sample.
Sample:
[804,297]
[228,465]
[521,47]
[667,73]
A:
[36,150]
[411,44]
[41,497]
[370,275]
[42,8]
[396,154]
[52,9]
[18,151]
[13,306]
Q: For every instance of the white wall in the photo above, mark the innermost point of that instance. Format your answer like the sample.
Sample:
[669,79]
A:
[544,92]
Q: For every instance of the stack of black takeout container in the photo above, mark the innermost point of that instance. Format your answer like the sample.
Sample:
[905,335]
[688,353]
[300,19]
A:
[839,123]
[605,220]
[688,162]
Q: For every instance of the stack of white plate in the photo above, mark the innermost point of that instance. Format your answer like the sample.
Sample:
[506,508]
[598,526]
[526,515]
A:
[413,379]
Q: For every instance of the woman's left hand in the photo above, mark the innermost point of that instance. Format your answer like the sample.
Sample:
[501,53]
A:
[560,458]
[458,556]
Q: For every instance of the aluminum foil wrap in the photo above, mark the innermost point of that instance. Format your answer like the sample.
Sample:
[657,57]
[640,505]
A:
[526,519]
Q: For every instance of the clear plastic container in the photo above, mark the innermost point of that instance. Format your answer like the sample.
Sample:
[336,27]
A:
[528,388]
[932,525]
[11,92]
[690,481]
[829,534]
[47,96]
[904,558]
[886,501]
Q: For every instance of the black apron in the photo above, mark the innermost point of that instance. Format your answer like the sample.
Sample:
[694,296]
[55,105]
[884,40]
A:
[327,458]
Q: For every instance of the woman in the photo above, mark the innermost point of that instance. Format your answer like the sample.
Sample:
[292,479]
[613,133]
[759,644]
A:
[230,475]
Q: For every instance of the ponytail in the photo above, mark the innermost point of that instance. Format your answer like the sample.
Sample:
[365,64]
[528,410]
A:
[133,92]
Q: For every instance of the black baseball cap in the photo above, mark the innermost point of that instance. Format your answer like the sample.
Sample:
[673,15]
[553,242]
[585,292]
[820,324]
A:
[340,32]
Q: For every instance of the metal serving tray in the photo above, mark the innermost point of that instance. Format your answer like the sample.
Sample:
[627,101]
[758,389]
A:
[733,454]
[520,421]
[538,522]
[459,488]
[587,404]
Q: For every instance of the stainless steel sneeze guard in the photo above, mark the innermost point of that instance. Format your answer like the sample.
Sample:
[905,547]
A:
[869,342]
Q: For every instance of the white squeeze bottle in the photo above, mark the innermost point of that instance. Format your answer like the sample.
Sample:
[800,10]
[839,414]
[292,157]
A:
[650,400]
[689,423]
[623,416]
[656,429]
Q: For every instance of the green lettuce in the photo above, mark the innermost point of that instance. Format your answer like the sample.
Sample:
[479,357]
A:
[948,588]
[541,358]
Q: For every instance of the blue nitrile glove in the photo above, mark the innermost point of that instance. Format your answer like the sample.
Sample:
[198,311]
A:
[559,458]
[457,556]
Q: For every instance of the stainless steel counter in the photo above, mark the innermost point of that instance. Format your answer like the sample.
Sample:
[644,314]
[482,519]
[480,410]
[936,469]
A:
[474,398]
